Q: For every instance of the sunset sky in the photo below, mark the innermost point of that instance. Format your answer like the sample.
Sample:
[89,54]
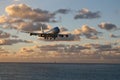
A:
[93,26]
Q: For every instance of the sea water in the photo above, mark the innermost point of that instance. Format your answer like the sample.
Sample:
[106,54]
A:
[54,71]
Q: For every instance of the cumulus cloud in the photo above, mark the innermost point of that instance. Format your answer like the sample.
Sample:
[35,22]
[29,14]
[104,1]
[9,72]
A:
[26,50]
[14,36]
[4,34]
[72,51]
[3,19]
[62,52]
[65,48]
[23,17]
[25,12]
[5,39]
[86,14]
[28,26]
[15,20]
[104,47]
[87,31]
[3,51]
[114,36]
[8,20]
[62,29]
[63,11]
[107,26]
[53,50]
[106,50]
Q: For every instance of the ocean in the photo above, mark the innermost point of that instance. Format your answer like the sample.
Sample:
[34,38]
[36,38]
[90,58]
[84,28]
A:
[59,71]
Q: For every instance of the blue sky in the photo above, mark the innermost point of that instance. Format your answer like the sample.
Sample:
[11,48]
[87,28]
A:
[98,12]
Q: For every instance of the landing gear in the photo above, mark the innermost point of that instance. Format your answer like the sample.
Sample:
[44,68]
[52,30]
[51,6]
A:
[49,38]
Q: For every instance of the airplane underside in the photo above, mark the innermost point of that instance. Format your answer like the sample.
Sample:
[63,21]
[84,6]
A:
[49,36]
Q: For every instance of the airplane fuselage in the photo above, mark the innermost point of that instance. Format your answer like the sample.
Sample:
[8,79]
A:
[52,34]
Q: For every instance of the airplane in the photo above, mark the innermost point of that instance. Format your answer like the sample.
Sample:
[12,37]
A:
[51,34]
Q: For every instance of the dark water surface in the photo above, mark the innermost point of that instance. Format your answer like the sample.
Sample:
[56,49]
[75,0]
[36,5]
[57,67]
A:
[39,71]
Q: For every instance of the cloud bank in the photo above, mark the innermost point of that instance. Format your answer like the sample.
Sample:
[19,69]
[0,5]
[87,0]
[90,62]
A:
[69,52]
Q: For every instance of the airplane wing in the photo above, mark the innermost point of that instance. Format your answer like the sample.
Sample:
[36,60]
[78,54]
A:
[51,34]
[45,35]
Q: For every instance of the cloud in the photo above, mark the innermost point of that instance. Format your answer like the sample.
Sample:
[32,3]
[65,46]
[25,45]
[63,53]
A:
[14,36]
[62,29]
[5,39]
[15,20]
[100,47]
[52,51]
[62,52]
[28,26]
[17,10]
[114,36]
[62,47]
[3,19]
[8,20]
[108,51]
[63,11]
[25,12]
[3,51]
[12,41]
[117,50]
[29,50]
[4,34]
[111,53]
[86,14]
[23,17]
[107,26]
[87,31]
[72,51]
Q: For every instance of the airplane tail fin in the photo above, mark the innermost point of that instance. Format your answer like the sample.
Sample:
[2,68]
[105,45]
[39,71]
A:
[42,29]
